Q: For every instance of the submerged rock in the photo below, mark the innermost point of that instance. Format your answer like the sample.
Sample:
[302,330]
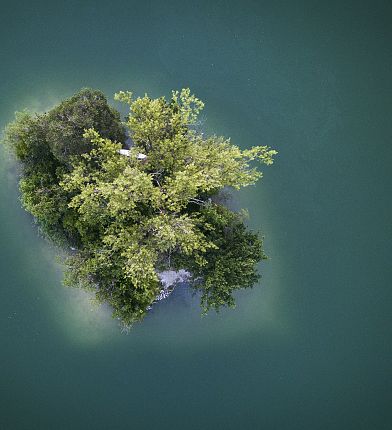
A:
[170,279]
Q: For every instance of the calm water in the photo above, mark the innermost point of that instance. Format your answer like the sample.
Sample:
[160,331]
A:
[311,347]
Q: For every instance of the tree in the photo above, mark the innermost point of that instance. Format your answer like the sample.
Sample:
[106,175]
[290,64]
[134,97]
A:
[44,143]
[67,121]
[139,212]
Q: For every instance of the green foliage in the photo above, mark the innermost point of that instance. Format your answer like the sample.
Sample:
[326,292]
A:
[131,216]
[231,263]
[67,121]
[45,143]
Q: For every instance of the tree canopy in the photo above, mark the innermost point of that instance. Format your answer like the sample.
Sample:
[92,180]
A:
[130,214]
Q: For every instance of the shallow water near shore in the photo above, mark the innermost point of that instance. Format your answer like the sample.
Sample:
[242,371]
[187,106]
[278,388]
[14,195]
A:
[310,347]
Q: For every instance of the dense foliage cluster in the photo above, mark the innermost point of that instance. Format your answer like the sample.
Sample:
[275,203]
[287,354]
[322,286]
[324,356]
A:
[152,208]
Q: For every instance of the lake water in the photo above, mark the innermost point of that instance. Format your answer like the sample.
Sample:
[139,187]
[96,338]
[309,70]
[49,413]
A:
[308,349]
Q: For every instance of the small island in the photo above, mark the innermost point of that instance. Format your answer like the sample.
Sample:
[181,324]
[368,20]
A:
[131,200]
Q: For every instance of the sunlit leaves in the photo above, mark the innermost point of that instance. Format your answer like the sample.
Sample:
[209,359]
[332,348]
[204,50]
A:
[128,214]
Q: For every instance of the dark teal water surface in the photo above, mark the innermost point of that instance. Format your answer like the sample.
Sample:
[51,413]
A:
[308,349]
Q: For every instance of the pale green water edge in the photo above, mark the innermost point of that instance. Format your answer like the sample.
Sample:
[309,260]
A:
[311,347]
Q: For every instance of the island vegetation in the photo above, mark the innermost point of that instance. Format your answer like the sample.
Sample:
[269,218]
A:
[131,199]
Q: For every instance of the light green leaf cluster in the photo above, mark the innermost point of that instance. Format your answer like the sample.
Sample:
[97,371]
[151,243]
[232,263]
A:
[188,106]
